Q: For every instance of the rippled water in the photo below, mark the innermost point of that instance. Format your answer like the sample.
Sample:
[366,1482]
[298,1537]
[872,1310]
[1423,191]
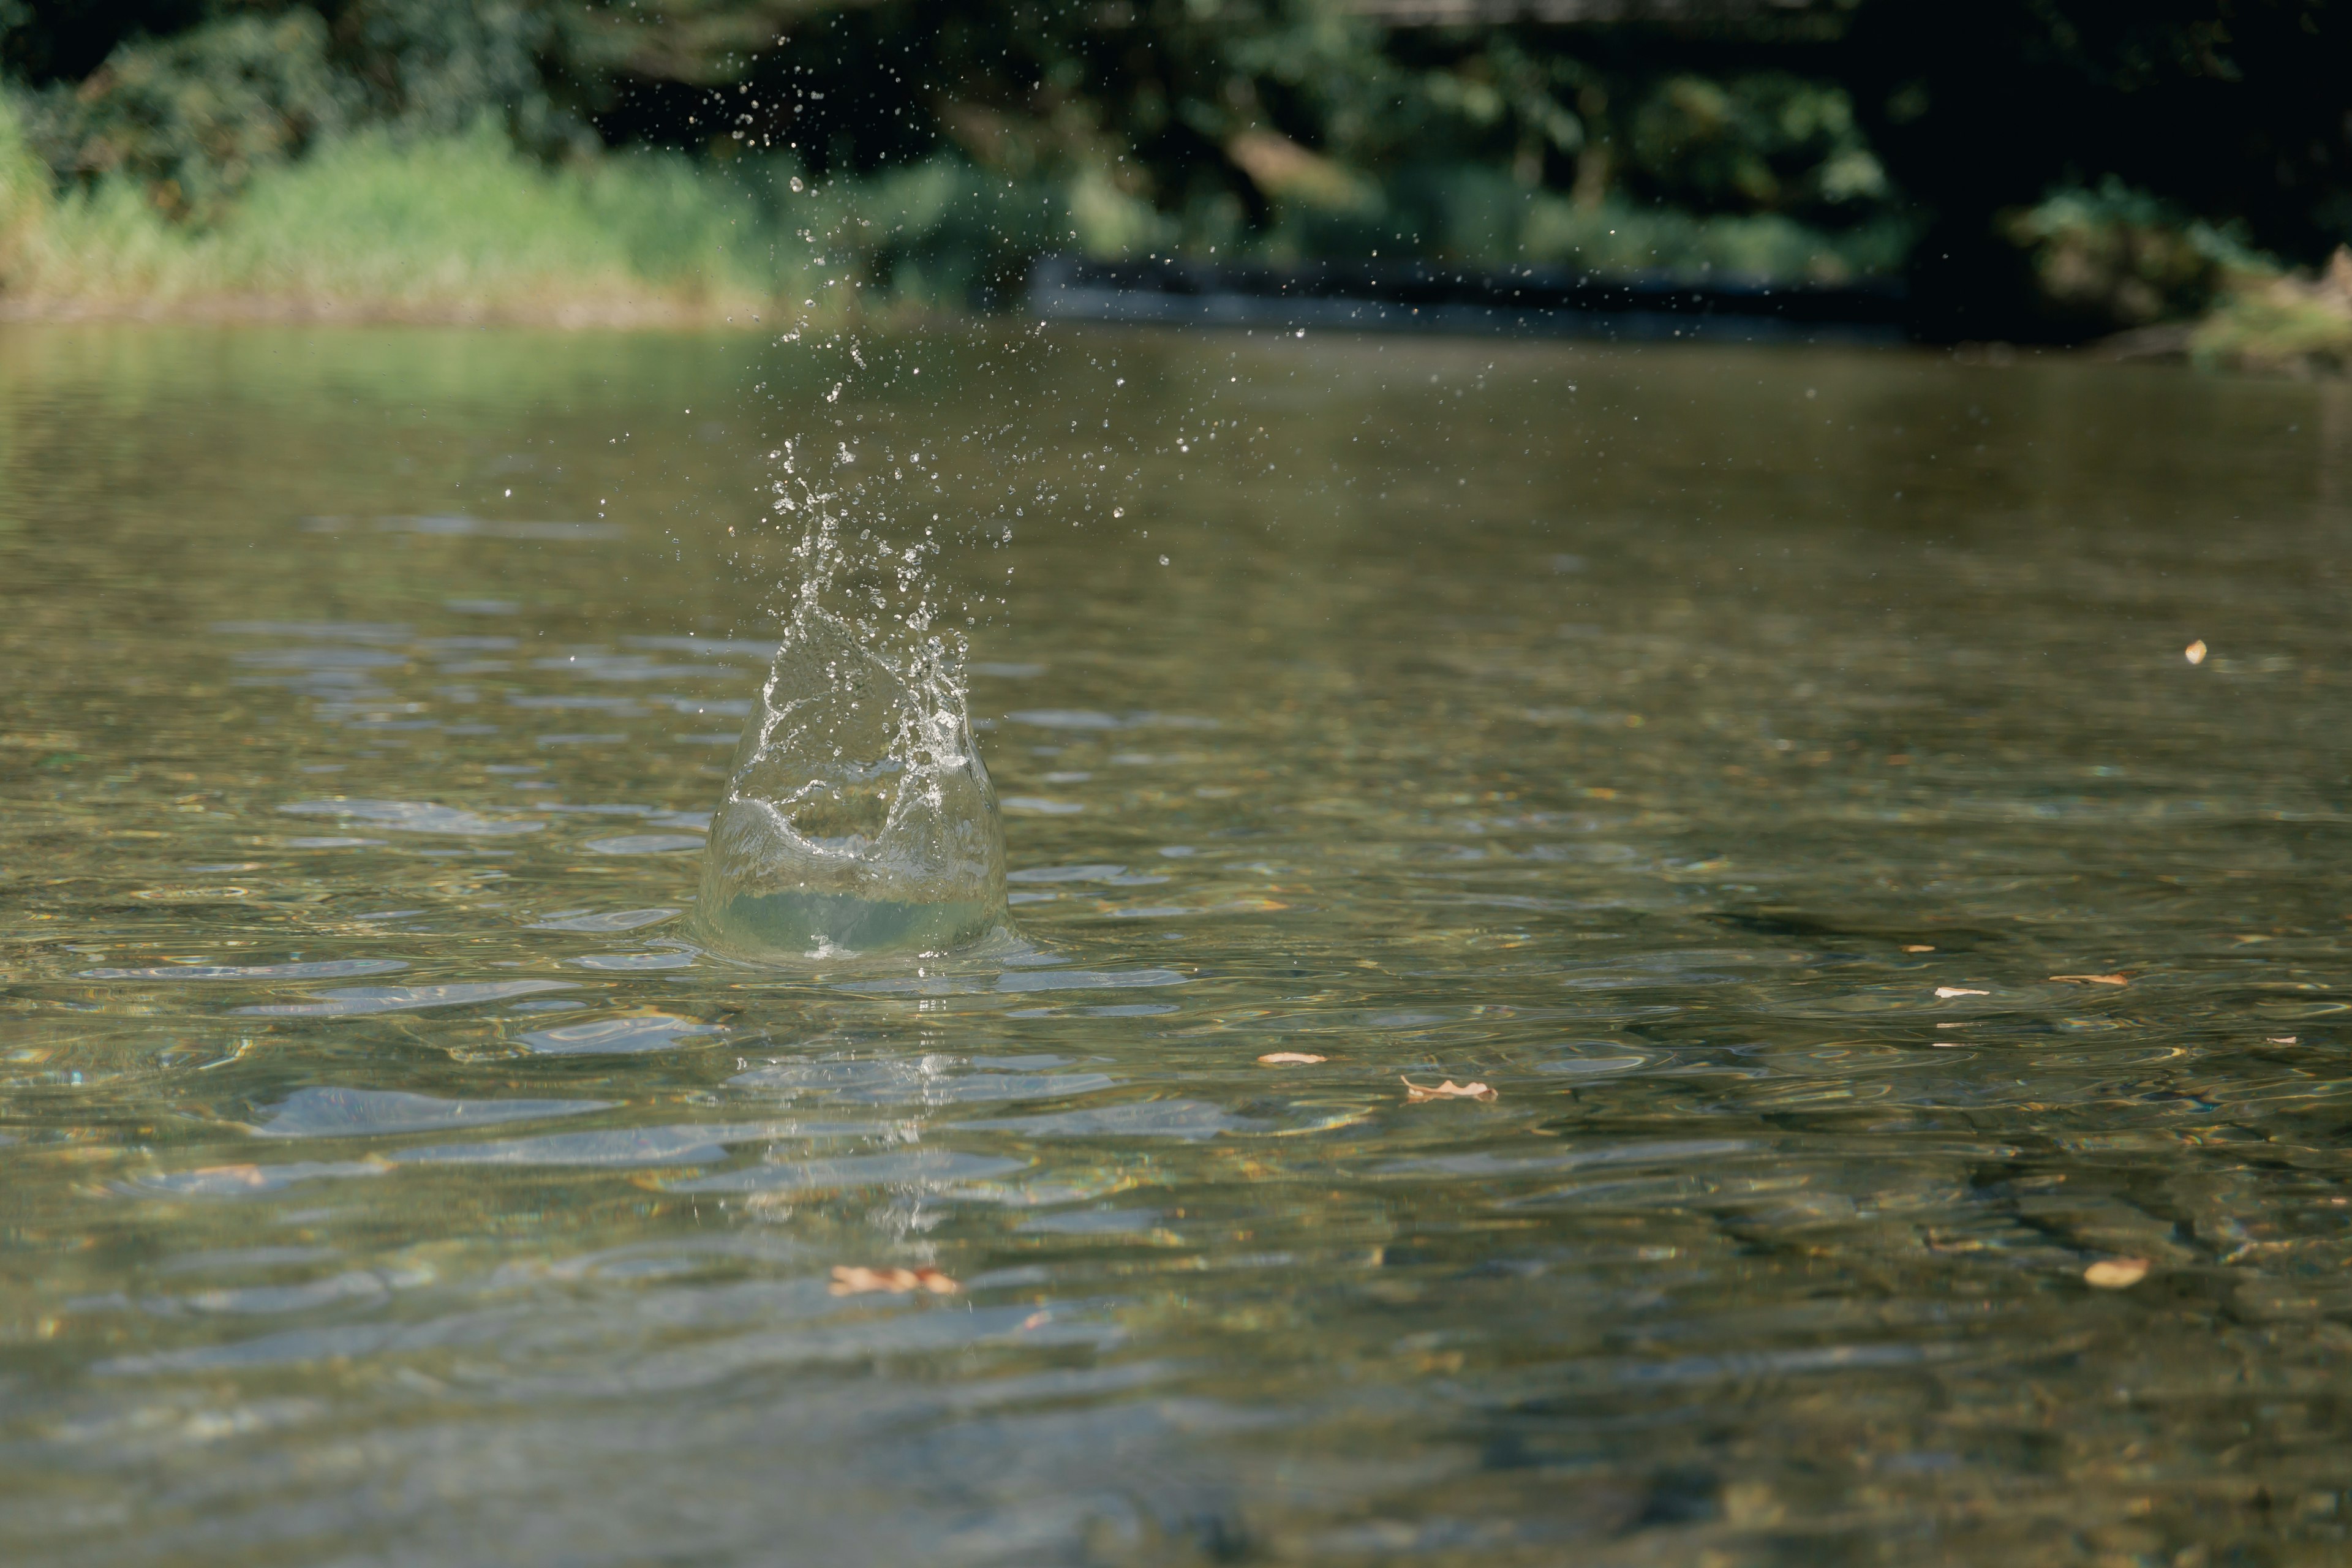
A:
[1716,754]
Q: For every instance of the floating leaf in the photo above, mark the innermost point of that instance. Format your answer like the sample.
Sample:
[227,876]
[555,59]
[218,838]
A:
[1449,1090]
[2117,1273]
[1278,1058]
[853,1282]
[231,1175]
[2195,652]
[2094,979]
[1916,947]
[1948,991]
[2280,1039]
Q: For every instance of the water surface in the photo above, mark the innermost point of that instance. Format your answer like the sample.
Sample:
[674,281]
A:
[1719,754]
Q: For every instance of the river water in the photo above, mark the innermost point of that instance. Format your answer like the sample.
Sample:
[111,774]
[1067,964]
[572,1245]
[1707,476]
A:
[1715,753]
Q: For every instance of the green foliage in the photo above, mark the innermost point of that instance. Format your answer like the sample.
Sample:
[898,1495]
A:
[1768,143]
[438,67]
[25,194]
[2038,167]
[1284,128]
[429,227]
[2295,324]
[196,105]
[1620,237]
[194,116]
[466,227]
[2111,256]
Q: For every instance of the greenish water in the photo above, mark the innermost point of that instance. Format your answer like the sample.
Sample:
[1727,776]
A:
[388,1179]
[808,922]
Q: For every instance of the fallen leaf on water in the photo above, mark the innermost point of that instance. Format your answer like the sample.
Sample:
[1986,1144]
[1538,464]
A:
[2117,1273]
[244,1175]
[1449,1090]
[1277,1059]
[1916,947]
[2094,979]
[853,1282]
[2195,652]
[1950,991]
[2280,1039]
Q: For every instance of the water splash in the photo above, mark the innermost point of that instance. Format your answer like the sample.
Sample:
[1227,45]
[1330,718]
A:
[858,817]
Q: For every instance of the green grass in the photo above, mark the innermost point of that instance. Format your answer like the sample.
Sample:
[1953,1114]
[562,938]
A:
[2281,323]
[466,229]
[1615,238]
[452,229]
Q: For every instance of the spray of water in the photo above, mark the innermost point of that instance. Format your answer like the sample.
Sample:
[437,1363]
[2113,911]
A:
[858,818]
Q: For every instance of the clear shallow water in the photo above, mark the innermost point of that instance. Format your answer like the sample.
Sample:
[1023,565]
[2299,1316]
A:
[389,1179]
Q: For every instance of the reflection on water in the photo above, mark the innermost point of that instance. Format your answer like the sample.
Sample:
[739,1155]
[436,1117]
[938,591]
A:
[1777,775]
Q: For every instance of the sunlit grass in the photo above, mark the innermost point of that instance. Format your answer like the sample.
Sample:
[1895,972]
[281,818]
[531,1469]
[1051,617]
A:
[465,229]
[2282,323]
[451,229]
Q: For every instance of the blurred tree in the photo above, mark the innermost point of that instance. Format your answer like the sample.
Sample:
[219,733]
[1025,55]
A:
[1222,110]
[194,96]
[2227,110]
[1768,142]
[196,114]
[1432,127]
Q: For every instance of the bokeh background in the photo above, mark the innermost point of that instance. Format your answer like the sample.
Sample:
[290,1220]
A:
[2029,170]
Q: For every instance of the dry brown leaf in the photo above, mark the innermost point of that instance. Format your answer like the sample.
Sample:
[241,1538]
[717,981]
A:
[1916,947]
[1945,992]
[1449,1090]
[2195,652]
[848,1281]
[244,1175]
[1280,1059]
[2117,1273]
[2094,979]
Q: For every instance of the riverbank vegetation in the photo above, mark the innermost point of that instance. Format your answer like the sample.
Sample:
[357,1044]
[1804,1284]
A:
[2034,169]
